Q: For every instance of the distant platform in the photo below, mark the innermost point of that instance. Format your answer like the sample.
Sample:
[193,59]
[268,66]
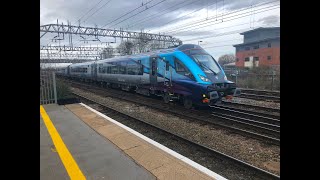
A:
[102,148]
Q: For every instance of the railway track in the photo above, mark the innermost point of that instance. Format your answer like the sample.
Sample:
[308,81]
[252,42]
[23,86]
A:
[252,107]
[260,95]
[261,92]
[266,124]
[232,168]
[244,124]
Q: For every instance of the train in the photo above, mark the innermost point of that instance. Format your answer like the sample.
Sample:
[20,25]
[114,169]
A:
[186,74]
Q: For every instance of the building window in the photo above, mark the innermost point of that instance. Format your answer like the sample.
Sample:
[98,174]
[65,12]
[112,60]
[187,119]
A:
[256,47]
[237,59]
[246,59]
[269,57]
[247,48]
[256,58]
[269,45]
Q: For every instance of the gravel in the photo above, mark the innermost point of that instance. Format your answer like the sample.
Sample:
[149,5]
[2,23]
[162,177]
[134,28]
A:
[256,102]
[259,154]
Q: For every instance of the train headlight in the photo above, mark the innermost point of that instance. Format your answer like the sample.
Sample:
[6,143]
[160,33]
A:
[225,78]
[204,78]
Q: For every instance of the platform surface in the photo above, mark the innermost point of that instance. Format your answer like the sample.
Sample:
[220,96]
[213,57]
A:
[97,157]
[106,149]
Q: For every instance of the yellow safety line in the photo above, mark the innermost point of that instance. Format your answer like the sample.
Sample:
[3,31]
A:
[66,157]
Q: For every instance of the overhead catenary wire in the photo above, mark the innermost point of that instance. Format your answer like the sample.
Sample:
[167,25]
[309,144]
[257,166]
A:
[97,10]
[189,27]
[140,12]
[226,27]
[158,14]
[214,23]
[193,22]
[226,33]
[186,15]
[89,10]
[211,19]
[126,14]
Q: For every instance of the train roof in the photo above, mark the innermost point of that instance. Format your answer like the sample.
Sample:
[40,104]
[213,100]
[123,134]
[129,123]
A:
[158,51]
[81,64]
[182,47]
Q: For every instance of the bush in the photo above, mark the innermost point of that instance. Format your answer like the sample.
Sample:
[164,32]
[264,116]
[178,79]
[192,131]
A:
[63,91]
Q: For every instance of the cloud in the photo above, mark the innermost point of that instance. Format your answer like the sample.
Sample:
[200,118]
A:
[272,20]
[160,18]
[198,33]
[236,4]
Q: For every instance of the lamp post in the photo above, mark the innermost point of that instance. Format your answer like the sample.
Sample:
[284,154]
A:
[199,43]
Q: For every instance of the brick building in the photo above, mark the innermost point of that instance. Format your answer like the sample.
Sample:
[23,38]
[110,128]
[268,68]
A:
[261,47]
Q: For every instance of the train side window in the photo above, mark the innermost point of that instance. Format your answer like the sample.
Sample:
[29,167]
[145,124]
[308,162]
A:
[114,69]
[179,67]
[122,67]
[132,68]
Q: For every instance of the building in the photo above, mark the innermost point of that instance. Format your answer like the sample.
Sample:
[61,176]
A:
[260,47]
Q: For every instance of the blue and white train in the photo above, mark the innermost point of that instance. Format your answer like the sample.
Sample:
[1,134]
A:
[186,73]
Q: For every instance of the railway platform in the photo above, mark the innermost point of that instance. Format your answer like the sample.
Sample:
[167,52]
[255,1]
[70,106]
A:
[78,142]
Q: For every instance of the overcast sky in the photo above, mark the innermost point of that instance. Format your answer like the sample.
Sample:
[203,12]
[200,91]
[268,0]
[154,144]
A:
[216,23]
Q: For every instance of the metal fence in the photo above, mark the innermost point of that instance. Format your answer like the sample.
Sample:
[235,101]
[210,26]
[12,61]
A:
[267,80]
[48,90]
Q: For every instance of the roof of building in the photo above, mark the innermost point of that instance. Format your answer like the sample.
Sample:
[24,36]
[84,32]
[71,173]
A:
[259,29]
[261,40]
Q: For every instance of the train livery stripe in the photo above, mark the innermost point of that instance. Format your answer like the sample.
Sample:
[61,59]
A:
[69,163]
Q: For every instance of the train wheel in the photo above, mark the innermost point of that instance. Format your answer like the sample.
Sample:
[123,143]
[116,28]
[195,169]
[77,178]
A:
[166,98]
[187,103]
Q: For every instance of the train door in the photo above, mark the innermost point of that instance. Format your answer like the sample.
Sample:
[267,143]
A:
[94,70]
[68,70]
[153,70]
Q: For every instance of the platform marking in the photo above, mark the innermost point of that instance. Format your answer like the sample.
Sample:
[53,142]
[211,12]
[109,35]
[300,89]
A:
[65,156]
[160,146]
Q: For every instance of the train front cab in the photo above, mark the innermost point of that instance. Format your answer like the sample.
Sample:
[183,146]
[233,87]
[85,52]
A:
[212,81]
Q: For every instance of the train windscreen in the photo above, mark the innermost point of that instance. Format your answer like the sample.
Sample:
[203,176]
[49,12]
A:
[207,63]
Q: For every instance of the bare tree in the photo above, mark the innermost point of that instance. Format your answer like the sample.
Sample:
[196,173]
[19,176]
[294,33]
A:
[107,53]
[125,47]
[227,58]
[140,45]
